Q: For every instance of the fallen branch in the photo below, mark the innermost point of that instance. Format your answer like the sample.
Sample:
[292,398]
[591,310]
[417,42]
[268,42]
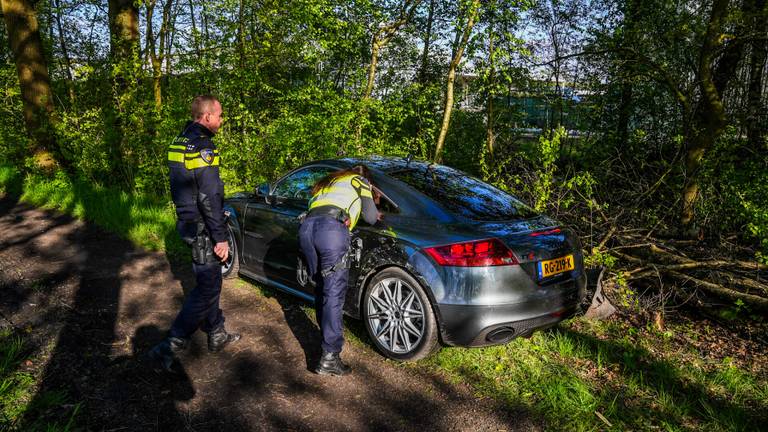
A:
[680,259]
[606,238]
[757,302]
[744,282]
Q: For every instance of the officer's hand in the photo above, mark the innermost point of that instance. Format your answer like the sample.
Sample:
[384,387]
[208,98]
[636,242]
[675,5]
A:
[221,250]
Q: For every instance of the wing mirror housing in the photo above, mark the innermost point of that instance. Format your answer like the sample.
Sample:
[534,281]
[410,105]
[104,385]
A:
[263,191]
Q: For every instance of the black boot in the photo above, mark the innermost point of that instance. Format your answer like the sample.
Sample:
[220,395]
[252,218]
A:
[331,364]
[165,352]
[219,338]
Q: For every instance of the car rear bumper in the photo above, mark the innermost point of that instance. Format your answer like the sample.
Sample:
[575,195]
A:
[476,325]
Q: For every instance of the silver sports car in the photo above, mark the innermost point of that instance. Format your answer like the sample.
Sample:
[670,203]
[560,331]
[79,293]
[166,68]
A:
[454,260]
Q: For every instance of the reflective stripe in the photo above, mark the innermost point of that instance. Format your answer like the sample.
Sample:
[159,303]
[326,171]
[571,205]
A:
[175,157]
[342,194]
[362,188]
[178,153]
[200,163]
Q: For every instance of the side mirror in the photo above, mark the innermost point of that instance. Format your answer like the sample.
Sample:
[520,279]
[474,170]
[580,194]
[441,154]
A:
[263,189]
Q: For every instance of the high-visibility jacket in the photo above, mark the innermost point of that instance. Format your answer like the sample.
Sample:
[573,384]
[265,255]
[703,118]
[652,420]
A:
[196,188]
[345,193]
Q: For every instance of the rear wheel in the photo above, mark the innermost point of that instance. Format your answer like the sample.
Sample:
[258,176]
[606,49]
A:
[231,266]
[398,316]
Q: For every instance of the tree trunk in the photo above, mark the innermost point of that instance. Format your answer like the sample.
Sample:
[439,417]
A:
[154,59]
[34,81]
[241,36]
[157,55]
[459,44]
[123,29]
[372,68]
[195,31]
[427,43]
[124,56]
[756,116]
[381,38]
[64,52]
[558,117]
[490,137]
[166,35]
[710,117]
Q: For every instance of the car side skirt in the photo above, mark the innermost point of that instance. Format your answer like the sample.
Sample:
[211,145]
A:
[278,285]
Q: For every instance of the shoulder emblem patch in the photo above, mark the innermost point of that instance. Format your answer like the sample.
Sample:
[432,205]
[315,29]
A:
[207,156]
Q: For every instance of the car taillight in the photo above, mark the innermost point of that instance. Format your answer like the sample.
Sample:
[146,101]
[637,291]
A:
[481,253]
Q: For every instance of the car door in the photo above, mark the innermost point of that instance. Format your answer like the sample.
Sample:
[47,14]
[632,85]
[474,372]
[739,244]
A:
[273,229]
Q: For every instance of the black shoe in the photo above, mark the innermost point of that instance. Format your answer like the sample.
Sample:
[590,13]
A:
[331,364]
[219,338]
[165,352]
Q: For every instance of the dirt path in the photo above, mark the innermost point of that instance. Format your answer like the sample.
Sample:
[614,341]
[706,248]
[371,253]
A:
[93,304]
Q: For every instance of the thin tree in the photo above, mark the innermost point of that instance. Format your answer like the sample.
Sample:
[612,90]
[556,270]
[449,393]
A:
[467,18]
[717,65]
[427,43]
[157,55]
[383,35]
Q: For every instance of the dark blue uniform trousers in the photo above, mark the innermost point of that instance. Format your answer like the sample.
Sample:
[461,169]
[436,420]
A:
[324,242]
[201,307]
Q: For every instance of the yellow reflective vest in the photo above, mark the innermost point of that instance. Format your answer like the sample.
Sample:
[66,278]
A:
[345,193]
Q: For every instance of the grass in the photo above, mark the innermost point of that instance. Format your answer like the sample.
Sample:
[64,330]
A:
[570,374]
[582,376]
[18,386]
[147,221]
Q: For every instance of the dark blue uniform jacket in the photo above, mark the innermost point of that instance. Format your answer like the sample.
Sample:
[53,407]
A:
[196,188]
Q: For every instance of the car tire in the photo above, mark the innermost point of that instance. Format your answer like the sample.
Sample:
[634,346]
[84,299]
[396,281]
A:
[399,317]
[230,268]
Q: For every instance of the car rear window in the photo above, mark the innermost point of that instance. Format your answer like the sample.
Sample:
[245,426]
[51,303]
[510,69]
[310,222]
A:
[463,194]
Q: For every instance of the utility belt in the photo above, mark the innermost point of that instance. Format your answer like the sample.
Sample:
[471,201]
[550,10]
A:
[195,235]
[326,210]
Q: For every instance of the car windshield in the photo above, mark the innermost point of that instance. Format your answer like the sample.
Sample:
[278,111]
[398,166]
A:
[298,185]
[462,194]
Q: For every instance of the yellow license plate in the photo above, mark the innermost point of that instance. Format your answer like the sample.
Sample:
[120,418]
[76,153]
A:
[555,266]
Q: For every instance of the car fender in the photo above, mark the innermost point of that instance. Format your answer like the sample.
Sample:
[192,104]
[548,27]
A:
[404,256]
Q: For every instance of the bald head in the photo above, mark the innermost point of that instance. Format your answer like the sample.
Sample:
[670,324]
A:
[202,104]
[206,110]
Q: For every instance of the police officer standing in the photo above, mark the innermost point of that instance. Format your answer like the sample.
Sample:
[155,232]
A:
[198,193]
[338,201]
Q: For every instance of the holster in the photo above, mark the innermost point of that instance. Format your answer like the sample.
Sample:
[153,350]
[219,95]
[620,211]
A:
[343,263]
[196,237]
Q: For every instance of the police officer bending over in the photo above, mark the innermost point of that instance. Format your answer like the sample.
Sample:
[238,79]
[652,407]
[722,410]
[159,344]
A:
[198,193]
[338,201]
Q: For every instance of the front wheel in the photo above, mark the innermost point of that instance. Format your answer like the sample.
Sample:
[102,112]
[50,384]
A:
[231,266]
[399,317]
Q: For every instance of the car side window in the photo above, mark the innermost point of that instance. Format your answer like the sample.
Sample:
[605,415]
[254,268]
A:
[299,184]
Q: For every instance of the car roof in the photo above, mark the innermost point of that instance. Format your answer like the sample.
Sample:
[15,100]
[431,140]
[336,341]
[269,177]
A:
[384,164]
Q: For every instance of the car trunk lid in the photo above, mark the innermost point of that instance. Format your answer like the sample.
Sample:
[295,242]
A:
[547,251]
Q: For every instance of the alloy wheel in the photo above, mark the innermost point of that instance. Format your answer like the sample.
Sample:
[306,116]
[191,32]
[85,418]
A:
[395,315]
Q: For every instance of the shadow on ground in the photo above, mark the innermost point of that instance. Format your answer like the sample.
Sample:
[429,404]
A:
[95,304]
